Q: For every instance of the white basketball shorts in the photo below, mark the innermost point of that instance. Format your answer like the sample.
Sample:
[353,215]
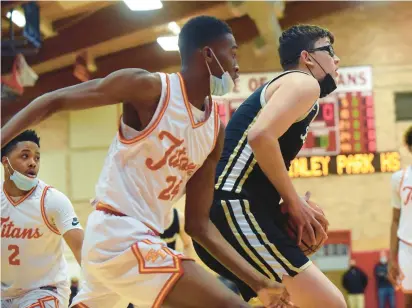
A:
[124,261]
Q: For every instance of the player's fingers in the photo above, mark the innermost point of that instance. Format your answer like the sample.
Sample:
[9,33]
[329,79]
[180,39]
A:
[299,235]
[322,219]
[319,232]
[311,232]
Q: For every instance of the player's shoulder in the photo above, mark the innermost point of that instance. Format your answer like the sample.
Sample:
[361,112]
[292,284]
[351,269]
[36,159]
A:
[297,80]
[55,196]
[398,175]
[144,84]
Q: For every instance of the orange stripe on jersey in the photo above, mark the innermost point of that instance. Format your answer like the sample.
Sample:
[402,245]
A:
[112,211]
[166,288]
[108,209]
[217,124]
[187,104]
[405,242]
[155,270]
[43,212]
[150,128]
[16,203]
[402,180]
[42,301]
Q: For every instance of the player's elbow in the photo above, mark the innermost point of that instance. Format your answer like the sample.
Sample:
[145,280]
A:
[51,103]
[257,137]
[196,229]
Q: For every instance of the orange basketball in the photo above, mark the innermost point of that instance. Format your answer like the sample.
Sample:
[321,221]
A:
[307,248]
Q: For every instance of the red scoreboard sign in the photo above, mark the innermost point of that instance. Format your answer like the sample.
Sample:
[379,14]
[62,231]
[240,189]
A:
[345,122]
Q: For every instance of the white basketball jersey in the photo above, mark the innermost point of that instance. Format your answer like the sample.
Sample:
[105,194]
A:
[403,181]
[142,177]
[31,246]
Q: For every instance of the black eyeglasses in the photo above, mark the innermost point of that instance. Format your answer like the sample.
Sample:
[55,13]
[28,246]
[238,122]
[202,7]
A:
[327,48]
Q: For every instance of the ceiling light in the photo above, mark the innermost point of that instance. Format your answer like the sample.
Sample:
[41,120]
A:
[17,17]
[174,27]
[168,43]
[143,5]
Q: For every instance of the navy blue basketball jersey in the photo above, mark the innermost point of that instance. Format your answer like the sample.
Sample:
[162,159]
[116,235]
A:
[238,171]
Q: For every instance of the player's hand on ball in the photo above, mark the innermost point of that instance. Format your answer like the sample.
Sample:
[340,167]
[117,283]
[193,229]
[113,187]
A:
[306,219]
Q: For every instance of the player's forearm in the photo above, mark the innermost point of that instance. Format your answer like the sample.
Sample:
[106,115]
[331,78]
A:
[211,239]
[269,157]
[34,113]
[394,242]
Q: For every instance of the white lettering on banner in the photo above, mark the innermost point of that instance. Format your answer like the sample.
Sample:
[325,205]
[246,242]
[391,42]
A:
[351,79]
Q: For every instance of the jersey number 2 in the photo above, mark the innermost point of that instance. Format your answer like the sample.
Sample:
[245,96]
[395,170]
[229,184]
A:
[172,190]
[13,260]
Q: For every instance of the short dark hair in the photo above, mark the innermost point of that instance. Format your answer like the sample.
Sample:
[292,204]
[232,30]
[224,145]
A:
[27,135]
[298,38]
[199,32]
[408,137]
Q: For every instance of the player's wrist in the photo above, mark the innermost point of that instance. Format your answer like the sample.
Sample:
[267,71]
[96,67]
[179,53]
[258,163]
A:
[258,283]
[292,200]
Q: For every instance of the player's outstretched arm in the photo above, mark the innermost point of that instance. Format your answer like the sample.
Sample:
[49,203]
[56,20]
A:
[199,198]
[135,86]
[286,103]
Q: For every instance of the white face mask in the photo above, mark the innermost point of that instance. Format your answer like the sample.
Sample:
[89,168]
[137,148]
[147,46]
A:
[223,85]
[21,181]
[383,259]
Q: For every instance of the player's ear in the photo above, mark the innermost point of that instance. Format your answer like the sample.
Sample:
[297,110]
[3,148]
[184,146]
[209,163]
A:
[207,54]
[306,58]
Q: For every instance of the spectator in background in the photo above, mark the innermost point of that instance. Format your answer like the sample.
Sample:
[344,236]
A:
[355,281]
[74,288]
[385,288]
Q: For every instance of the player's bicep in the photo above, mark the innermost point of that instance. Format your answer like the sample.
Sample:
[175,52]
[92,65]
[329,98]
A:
[61,211]
[200,188]
[113,89]
[292,99]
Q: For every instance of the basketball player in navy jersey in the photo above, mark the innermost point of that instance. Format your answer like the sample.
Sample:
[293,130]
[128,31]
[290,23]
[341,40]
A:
[264,135]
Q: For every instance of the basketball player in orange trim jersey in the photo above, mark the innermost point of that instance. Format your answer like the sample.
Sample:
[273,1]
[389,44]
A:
[400,262]
[169,141]
[35,218]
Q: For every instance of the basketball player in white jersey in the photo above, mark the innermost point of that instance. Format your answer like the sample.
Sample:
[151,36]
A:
[169,142]
[35,218]
[400,262]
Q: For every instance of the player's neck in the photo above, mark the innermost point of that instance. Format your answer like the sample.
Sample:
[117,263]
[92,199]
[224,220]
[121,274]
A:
[11,189]
[302,69]
[197,87]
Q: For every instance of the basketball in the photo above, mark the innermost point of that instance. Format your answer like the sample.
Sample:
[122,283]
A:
[305,245]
